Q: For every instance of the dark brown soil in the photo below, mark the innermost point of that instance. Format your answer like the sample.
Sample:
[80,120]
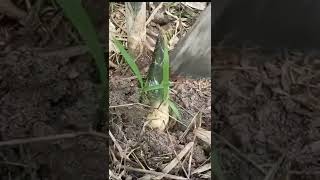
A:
[267,107]
[48,93]
[149,149]
[152,148]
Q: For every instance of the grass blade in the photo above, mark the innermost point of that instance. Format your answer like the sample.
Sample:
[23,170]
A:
[165,74]
[154,87]
[77,14]
[174,109]
[128,58]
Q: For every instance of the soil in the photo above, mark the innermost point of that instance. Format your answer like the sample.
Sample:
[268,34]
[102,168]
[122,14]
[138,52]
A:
[152,148]
[146,148]
[48,92]
[266,105]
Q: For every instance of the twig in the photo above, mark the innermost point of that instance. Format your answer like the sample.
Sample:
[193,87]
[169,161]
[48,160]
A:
[153,13]
[177,159]
[51,138]
[122,154]
[154,173]
[275,168]
[189,127]
[242,156]
[190,161]
[131,104]
[111,64]
[168,13]
[114,22]
[111,174]
[14,164]
[203,134]
[201,169]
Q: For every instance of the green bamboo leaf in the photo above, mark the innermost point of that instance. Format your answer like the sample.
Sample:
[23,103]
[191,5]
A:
[130,61]
[165,74]
[77,14]
[174,109]
[154,87]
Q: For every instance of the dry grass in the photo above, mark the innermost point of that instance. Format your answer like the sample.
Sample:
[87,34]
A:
[133,151]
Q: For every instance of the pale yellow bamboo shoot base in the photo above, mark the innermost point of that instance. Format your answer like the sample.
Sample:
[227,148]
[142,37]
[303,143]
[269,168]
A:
[158,118]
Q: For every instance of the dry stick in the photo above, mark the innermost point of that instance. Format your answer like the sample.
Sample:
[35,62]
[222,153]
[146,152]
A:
[189,127]
[154,173]
[114,22]
[120,150]
[241,155]
[190,160]
[176,160]
[14,164]
[275,168]
[116,144]
[203,134]
[111,174]
[201,169]
[169,167]
[51,138]
[131,104]
[127,159]
[154,13]
[122,155]
[111,64]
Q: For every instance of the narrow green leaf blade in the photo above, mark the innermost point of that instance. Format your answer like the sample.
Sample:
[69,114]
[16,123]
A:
[77,14]
[154,87]
[174,109]
[165,79]
[128,58]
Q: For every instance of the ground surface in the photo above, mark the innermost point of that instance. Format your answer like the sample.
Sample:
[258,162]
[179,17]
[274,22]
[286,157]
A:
[267,108]
[47,92]
[152,148]
[145,148]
